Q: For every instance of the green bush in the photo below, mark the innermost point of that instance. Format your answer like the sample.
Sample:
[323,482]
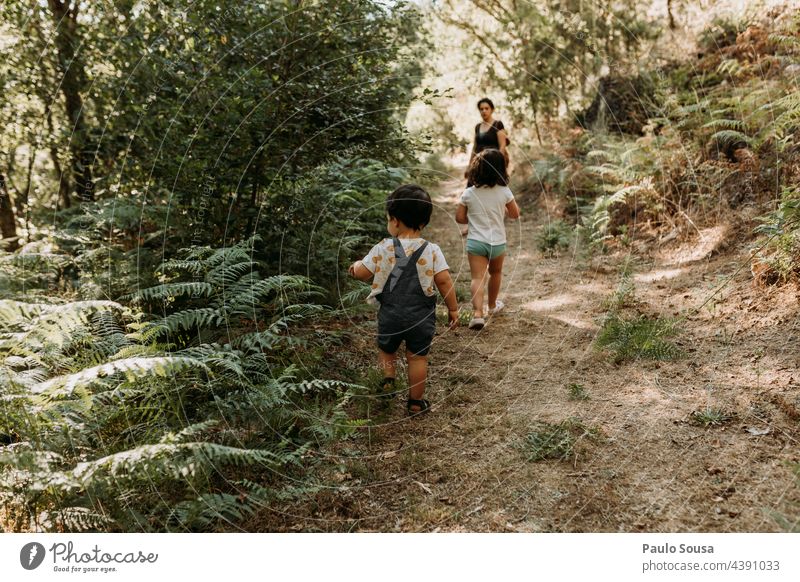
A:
[779,259]
[553,237]
[638,337]
[181,420]
[557,441]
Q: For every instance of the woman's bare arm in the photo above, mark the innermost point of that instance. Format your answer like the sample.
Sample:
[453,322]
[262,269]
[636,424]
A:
[502,140]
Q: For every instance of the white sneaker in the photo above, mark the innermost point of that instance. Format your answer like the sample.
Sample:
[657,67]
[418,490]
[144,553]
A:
[498,307]
[477,323]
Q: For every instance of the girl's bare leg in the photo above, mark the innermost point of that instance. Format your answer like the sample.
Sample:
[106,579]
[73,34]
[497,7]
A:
[495,278]
[477,267]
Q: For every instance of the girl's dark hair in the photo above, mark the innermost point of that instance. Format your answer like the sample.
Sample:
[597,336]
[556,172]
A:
[488,168]
[411,205]
[486,100]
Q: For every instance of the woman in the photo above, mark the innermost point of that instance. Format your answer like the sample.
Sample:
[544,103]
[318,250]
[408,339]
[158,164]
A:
[489,134]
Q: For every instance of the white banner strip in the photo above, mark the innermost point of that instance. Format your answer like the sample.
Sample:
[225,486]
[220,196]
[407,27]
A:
[390,557]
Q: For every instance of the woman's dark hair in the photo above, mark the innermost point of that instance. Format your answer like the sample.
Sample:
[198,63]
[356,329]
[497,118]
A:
[486,100]
[488,168]
[411,205]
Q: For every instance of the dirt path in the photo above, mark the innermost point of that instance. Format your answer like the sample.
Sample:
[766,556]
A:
[464,466]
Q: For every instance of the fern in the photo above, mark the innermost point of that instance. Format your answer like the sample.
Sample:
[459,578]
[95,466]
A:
[721,124]
[728,138]
[639,337]
[127,420]
[170,291]
[131,368]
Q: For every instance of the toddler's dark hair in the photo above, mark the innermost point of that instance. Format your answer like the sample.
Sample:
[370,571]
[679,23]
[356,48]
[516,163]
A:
[488,168]
[411,205]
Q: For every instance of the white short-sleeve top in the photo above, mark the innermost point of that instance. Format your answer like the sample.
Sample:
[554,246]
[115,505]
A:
[486,211]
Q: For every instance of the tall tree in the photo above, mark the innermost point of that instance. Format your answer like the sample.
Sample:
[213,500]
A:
[8,223]
[67,40]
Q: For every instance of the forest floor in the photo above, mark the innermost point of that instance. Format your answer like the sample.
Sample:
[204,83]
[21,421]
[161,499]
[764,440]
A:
[646,466]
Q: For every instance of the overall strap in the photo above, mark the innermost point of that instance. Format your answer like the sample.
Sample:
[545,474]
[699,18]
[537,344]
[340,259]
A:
[403,264]
[418,253]
[398,248]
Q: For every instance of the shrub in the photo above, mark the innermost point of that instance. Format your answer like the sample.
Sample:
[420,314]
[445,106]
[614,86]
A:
[186,420]
[554,236]
[638,337]
[557,441]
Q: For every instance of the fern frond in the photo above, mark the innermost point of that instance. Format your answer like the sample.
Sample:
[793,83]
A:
[171,290]
[785,40]
[131,368]
[734,124]
[729,138]
[189,432]
[211,508]
[173,460]
[185,320]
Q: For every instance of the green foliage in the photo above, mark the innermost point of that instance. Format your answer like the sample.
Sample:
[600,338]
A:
[722,32]
[320,223]
[626,176]
[631,336]
[710,416]
[125,421]
[552,173]
[577,391]
[557,441]
[780,254]
[533,41]
[36,267]
[624,294]
[553,237]
[638,337]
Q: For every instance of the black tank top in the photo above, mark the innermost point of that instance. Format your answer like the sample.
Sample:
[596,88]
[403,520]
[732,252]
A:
[488,139]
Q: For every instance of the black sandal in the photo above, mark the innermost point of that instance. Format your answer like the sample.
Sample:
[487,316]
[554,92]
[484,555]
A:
[424,406]
[387,391]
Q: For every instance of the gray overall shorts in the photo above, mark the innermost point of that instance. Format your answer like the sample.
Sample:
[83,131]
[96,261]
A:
[406,313]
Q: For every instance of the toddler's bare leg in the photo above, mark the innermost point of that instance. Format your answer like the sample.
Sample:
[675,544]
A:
[388,364]
[417,374]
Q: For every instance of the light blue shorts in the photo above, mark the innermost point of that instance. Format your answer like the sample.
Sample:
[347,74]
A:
[483,249]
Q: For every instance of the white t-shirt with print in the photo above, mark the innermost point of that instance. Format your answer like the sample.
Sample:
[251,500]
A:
[380,261]
[486,211]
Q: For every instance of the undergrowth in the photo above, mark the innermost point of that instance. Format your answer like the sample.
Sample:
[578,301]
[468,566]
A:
[183,410]
[557,441]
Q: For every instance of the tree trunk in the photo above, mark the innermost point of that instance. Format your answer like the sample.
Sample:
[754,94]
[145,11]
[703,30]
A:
[64,200]
[43,89]
[73,81]
[672,25]
[8,224]
[536,120]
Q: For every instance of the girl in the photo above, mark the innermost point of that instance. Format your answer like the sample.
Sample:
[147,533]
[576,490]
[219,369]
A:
[483,206]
